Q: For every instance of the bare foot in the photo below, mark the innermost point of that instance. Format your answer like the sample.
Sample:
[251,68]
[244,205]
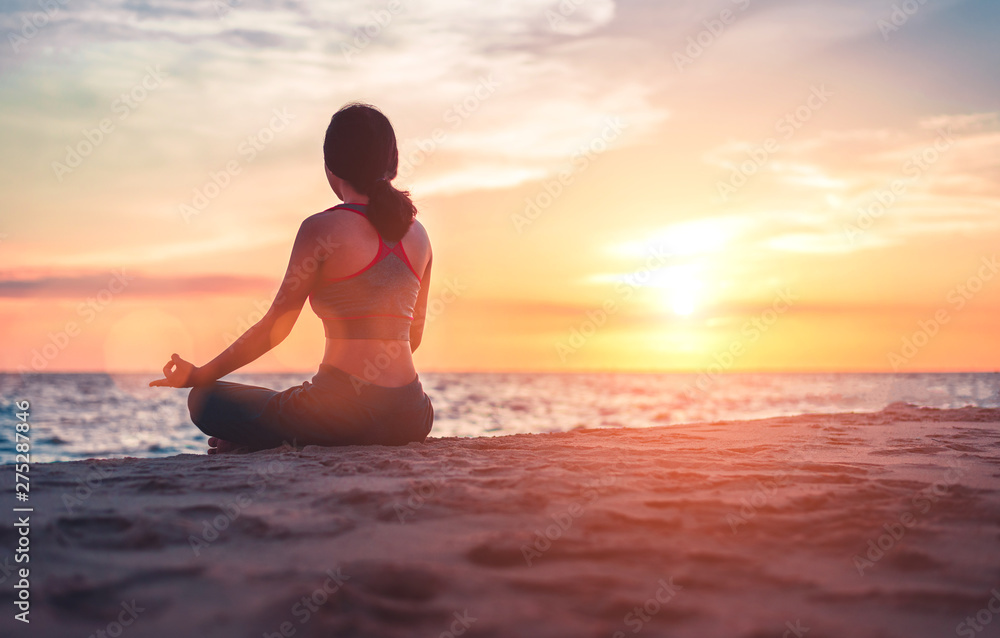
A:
[221,446]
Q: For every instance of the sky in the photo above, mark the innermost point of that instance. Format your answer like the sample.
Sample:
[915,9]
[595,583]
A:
[699,186]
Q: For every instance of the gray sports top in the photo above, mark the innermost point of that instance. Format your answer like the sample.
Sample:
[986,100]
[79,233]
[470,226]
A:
[374,303]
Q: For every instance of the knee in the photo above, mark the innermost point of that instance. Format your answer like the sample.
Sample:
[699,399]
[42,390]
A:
[197,399]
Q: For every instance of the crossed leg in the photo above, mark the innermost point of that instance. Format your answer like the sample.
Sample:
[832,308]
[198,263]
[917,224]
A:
[232,414]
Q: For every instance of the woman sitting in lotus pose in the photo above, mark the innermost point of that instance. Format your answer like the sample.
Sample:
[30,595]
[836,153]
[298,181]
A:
[365,266]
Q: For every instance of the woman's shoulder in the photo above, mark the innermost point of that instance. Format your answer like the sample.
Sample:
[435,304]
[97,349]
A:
[417,245]
[417,236]
[418,231]
[339,211]
[332,219]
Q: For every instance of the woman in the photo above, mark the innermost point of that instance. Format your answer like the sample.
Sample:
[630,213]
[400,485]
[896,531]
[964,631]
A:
[365,266]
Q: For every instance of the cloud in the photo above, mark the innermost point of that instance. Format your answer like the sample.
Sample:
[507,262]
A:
[424,65]
[556,83]
[121,281]
[873,187]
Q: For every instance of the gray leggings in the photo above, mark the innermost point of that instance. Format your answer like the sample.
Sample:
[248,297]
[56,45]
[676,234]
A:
[336,408]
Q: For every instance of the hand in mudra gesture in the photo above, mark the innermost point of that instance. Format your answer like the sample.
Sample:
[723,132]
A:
[178,373]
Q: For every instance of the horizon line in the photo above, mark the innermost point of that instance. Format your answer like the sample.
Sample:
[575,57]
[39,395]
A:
[550,371]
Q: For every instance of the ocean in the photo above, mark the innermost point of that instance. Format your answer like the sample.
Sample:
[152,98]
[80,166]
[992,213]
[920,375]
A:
[81,416]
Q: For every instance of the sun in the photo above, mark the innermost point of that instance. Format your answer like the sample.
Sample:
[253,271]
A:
[681,288]
[682,303]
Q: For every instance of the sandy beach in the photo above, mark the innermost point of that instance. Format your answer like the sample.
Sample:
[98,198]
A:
[860,525]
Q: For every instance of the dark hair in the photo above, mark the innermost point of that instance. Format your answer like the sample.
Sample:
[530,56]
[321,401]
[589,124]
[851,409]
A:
[360,147]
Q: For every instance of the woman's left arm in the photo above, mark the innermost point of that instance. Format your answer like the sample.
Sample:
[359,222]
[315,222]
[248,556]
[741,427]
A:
[311,248]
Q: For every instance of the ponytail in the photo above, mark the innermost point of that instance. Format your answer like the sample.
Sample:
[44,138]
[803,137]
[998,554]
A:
[360,147]
[390,211]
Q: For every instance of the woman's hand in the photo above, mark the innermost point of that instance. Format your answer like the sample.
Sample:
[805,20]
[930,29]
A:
[178,373]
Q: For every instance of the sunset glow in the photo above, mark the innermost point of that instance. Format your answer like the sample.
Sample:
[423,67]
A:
[807,182]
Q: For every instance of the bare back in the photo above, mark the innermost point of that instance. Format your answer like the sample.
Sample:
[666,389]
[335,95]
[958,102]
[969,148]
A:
[355,244]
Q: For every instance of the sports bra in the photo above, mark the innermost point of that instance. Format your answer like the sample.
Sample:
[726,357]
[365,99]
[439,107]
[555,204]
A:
[376,302]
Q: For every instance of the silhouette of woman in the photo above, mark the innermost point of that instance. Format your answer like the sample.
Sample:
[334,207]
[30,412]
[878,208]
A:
[365,267]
